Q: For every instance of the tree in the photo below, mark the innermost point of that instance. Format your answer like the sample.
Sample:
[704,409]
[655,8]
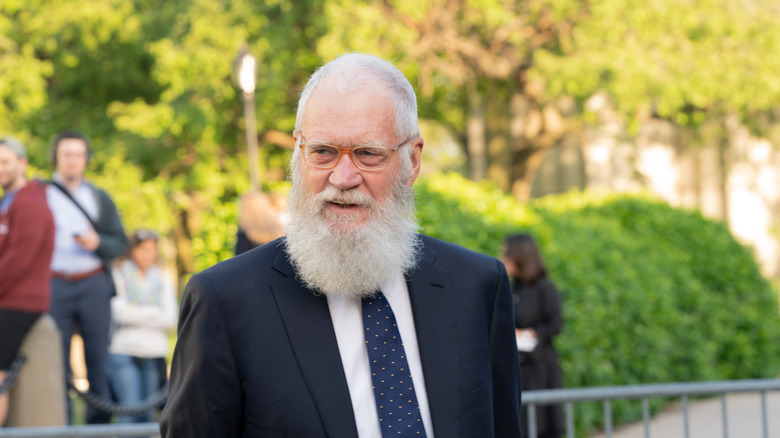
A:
[470,60]
[150,83]
[705,64]
[501,73]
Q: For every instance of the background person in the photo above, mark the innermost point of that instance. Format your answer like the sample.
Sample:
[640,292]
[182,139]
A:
[258,221]
[277,341]
[89,235]
[143,311]
[537,320]
[26,245]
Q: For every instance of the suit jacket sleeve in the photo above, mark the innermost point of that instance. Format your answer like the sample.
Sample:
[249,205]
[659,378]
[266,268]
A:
[113,241]
[506,374]
[205,398]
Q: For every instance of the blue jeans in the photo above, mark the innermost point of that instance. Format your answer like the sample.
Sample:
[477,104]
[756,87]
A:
[133,380]
[86,304]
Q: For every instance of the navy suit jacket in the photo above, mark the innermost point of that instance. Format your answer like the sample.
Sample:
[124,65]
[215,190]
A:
[257,354]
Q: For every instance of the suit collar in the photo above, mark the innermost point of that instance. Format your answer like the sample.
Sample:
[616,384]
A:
[435,318]
[307,321]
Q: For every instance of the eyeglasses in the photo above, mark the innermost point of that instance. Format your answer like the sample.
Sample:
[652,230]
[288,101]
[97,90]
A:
[369,158]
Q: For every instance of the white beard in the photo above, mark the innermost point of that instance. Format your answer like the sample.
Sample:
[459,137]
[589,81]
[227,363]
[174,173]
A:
[353,262]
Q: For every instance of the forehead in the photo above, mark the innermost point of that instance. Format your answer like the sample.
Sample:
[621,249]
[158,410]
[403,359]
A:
[146,244]
[72,145]
[362,115]
[7,154]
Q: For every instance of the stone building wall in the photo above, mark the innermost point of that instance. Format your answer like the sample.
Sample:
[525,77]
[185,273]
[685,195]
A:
[735,178]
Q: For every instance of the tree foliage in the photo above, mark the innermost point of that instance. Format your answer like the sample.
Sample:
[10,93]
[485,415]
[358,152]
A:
[150,82]
[685,61]
[651,293]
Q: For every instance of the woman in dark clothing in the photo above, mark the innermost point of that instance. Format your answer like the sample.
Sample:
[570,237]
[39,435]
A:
[537,320]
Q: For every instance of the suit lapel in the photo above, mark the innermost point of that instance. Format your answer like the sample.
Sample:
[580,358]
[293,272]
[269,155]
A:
[307,321]
[435,320]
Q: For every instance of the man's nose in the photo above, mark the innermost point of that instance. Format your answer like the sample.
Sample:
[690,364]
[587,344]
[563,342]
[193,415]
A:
[345,175]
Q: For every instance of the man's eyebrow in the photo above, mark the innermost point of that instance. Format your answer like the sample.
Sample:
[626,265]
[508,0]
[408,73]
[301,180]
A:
[316,140]
[353,145]
[371,143]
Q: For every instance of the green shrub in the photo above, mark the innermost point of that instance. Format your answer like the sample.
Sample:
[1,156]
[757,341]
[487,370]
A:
[651,293]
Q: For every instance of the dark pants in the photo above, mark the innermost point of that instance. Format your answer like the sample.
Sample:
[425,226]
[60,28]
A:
[86,304]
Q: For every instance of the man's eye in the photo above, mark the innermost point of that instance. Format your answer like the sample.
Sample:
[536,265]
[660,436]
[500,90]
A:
[370,152]
[322,150]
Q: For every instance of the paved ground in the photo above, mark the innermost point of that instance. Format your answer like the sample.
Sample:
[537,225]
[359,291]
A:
[706,420]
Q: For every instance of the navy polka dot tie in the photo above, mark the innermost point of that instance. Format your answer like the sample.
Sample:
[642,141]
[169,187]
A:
[396,402]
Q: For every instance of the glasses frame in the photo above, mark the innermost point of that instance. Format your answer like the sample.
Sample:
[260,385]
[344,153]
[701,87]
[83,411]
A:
[349,150]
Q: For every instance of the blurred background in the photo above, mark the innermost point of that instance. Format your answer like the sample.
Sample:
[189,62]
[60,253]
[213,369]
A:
[637,139]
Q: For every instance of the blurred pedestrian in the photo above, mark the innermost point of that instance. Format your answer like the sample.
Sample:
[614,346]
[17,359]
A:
[89,235]
[538,320]
[258,221]
[26,245]
[143,311]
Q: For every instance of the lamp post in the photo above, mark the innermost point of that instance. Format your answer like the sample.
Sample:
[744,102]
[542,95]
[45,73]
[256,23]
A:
[244,69]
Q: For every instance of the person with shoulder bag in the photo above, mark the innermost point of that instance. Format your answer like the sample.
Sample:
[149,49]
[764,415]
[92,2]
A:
[89,235]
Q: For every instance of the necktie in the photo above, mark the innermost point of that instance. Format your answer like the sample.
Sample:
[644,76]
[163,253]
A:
[396,402]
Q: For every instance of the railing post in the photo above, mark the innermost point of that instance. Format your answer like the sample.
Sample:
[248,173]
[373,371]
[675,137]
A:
[763,414]
[608,418]
[532,432]
[685,415]
[569,420]
[724,414]
[646,416]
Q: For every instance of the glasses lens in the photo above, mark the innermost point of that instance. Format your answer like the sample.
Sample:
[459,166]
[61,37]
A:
[320,154]
[371,157]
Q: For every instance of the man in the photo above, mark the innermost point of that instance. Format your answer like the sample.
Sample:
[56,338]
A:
[296,338]
[89,234]
[26,244]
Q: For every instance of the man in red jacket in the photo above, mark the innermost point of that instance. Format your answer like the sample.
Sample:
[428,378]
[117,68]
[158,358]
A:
[26,245]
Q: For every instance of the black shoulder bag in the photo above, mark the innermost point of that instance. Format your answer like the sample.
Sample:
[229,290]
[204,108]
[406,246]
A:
[106,263]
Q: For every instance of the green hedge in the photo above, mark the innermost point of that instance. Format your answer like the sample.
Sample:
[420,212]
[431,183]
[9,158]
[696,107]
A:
[651,293]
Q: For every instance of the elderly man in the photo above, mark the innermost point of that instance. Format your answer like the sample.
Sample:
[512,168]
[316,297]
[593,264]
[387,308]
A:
[353,325]
[26,245]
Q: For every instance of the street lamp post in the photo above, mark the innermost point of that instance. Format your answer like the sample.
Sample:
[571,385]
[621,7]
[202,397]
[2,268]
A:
[245,68]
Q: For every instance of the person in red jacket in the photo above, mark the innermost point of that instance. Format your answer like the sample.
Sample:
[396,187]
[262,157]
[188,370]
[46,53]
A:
[26,245]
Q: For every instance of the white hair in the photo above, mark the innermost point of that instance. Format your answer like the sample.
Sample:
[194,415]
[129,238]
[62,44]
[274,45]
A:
[354,71]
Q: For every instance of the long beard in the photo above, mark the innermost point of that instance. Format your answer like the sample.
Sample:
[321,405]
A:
[351,261]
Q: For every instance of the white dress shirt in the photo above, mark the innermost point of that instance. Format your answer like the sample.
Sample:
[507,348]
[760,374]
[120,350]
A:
[70,257]
[347,318]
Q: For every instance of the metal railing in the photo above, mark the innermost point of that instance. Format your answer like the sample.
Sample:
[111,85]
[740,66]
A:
[606,394]
[93,430]
[531,399]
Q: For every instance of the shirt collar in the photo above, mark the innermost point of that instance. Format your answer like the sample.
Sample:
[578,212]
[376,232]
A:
[56,177]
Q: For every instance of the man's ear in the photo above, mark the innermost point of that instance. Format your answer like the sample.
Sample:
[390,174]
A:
[417,147]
